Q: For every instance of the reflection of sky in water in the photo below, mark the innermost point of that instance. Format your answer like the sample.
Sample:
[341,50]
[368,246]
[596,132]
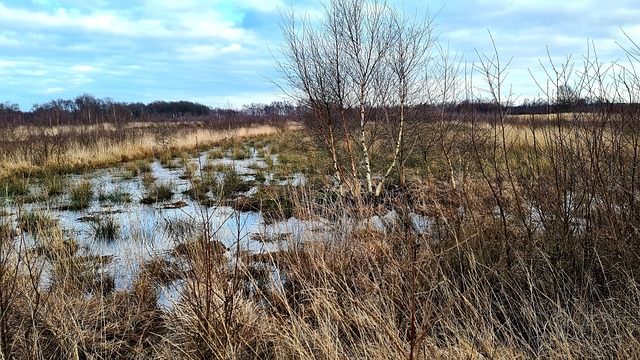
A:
[149,231]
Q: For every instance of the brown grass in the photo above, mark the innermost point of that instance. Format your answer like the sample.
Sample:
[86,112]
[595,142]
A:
[532,252]
[35,150]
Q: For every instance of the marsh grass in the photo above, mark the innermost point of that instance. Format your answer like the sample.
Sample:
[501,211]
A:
[147,179]
[7,231]
[275,202]
[260,176]
[530,252]
[130,171]
[143,167]
[37,222]
[38,151]
[106,229]
[232,184]
[215,154]
[240,153]
[162,271]
[166,159]
[116,195]
[136,168]
[15,186]
[268,160]
[54,185]
[181,229]
[216,167]
[157,192]
[80,195]
[217,182]
[199,191]
[189,170]
[261,152]
[197,247]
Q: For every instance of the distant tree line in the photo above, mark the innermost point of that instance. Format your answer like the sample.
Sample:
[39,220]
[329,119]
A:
[88,109]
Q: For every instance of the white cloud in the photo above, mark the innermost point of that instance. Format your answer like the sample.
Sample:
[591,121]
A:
[262,5]
[53,90]
[195,26]
[173,4]
[82,68]
[191,24]
[207,48]
[9,41]
[235,47]
[206,52]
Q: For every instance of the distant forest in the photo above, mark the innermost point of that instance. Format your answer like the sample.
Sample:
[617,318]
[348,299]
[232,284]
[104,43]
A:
[87,109]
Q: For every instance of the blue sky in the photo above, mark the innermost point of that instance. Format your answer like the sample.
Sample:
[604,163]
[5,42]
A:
[217,52]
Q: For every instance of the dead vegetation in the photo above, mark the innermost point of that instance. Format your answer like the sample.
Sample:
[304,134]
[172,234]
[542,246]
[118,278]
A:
[530,252]
[494,236]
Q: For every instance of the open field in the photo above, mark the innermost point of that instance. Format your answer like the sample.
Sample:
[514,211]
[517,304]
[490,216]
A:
[493,240]
[40,150]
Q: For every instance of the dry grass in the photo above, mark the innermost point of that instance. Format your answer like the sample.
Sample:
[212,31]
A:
[38,150]
[531,252]
[357,294]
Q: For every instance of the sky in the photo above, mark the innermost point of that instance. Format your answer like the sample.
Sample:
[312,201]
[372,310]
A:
[222,53]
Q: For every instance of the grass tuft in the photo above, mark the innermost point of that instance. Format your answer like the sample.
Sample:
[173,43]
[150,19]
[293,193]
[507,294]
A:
[158,192]
[15,186]
[37,222]
[106,229]
[80,195]
[116,195]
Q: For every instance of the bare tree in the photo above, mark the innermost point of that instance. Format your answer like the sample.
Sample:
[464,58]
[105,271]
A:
[359,67]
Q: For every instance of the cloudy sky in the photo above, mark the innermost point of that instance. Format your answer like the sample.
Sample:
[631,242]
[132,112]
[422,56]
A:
[217,52]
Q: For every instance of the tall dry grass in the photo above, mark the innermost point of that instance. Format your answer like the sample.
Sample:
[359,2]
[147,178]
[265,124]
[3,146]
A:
[530,252]
[33,150]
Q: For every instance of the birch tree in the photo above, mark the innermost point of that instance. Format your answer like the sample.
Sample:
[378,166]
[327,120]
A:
[360,66]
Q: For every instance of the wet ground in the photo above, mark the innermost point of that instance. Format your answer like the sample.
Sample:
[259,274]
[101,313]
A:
[151,231]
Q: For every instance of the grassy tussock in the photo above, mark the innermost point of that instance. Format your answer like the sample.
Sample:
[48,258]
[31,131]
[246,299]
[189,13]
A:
[80,195]
[157,192]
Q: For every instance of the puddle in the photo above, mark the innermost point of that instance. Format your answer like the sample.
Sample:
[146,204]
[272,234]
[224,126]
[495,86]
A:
[146,232]
[142,232]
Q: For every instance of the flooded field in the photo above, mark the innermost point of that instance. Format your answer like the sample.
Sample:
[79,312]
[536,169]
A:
[140,213]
